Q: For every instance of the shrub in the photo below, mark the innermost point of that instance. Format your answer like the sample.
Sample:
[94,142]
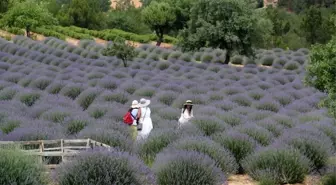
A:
[56,116]
[155,142]
[240,145]
[8,93]
[87,97]
[242,100]
[267,60]
[207,57]
[29,98]
[108,84]
[329,179]
[237,60]
[119,97]
[187,167]
[260,134]
[268,105]
[292,65]
[167,97]
[283,165]
[9,125]
[209,125]
[224,159]
[231,118]
[105,167]
[75,125]
[169,113]
[256,94]
[72,90]
[163,65]
[108,136]
[317,148]
[18,168]
[145,92]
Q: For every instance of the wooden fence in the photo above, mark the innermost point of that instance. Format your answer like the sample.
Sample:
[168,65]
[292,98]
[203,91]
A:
[53,152]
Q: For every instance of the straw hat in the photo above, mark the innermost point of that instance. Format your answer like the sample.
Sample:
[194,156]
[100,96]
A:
[144,102]
[188,102]
[135,104]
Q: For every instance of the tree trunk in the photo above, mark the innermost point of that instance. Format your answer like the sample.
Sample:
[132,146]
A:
[227,58]
[28,31]
[125,63]
[159,34]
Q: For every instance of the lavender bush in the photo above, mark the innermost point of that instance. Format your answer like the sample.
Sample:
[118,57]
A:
[282,165]
[187,167]
[102,167]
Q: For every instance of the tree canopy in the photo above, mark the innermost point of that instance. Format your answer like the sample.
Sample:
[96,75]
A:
[122,50]
[225,24]
[159,17]
[321,72]
[27,15]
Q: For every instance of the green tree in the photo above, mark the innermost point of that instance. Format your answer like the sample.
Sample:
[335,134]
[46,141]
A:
[27,15]
[321,72]
[120,49]
[225,24]
[82,13]
[311,24]
[281,24]
[160,18]
[4,5]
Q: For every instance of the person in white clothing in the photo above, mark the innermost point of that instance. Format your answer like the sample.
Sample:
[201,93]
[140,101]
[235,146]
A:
[186,113]
[145,119]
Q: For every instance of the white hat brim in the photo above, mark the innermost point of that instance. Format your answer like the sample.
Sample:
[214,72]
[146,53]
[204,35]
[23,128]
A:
[145,104]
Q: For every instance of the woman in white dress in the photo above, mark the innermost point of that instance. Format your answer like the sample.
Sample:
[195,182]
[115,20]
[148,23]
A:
[187,113]
[145,119]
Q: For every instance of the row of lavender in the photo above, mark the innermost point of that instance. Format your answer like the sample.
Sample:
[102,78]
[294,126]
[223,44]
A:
[53,90]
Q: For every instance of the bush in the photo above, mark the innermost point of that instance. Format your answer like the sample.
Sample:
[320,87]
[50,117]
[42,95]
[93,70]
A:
[87,97]
[29,98]
[267,105]
[186,167]
[9,125]
[292,65]
[317,148]
[223,157]
[237,60]
[284,165]
[18,168]
[155,142]
[209,125]
[267,60]
[110,137]
[72,90]
[329,179]
[105,167]
[240,145]
[260,134]
[55,88]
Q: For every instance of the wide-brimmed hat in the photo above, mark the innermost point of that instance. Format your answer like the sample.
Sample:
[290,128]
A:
[144,102]
[188,102]
[135,104]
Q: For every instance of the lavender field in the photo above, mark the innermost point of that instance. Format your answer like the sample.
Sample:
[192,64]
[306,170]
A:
[257,118]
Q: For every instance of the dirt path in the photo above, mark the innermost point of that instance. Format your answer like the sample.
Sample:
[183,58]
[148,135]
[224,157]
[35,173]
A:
[6,34]
[246,180]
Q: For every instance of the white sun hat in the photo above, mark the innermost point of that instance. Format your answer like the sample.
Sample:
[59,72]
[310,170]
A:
[135,104]
[144,102]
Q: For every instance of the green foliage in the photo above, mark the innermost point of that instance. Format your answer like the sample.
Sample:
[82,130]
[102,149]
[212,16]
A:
[82,13]
[121,50]
[321,72]
[311,24]
[18,168]
[9,125]
[30,98]
[225,24]
[49,33]
[329,179]
[127,20]
[159,17]
[28,15]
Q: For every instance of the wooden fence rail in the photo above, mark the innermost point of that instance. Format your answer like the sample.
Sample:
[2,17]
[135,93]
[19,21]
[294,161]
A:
[62,149]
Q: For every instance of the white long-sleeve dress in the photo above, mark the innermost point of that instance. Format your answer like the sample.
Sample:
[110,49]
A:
[146,121]
[185,117]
